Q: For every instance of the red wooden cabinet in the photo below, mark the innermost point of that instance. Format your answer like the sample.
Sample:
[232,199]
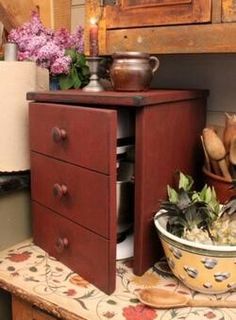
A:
[73,138]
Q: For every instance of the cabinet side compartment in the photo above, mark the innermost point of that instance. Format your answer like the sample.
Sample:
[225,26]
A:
[167,140]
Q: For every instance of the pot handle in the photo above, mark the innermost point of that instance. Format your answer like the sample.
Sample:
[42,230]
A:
[156,63]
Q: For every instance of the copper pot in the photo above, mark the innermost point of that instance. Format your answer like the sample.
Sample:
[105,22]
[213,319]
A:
[132,71]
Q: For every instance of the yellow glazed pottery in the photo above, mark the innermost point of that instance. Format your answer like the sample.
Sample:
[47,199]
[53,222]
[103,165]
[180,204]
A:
[201,267]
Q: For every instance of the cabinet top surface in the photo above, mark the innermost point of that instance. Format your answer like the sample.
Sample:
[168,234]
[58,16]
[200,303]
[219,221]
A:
[113,98]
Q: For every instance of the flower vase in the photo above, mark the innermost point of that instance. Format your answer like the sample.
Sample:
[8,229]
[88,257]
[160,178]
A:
[54,83]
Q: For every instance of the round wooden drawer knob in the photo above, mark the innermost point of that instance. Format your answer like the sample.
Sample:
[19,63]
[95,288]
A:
[58,134]
[61,244]
[59,190]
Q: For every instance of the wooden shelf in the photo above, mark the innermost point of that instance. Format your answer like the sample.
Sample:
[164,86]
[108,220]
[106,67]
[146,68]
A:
[165,33]
[202,38]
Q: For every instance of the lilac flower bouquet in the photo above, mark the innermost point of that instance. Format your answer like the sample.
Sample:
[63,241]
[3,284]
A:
[59,51]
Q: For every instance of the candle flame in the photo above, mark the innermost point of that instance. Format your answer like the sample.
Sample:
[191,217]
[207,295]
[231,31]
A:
[93,21]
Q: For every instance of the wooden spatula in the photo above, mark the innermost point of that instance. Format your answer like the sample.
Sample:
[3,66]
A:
[216,150]
[232,151]
[164,299]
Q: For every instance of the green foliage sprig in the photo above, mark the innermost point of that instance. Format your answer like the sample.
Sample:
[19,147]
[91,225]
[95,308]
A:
[188,208]
[79,73]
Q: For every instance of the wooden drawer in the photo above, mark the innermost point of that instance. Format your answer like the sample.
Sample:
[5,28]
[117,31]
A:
[85,252]
[83,136]
[78,194]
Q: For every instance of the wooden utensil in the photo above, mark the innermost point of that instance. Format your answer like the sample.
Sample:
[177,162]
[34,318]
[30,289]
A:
[211,165]
[232,151]
[207,159]
[229,130]
[216,150]
[164,299]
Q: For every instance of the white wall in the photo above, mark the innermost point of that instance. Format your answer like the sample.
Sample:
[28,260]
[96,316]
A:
[215,72]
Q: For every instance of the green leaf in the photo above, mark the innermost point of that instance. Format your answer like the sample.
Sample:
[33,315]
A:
[83,305]
[134,300]
[85,71]
[73,54]
[112,302]
[172,194]
[185,182]
[201,194]
[11,268]
[66,82]
[208,195]
[77,82]
[79,73]
[33,269]
[81,59]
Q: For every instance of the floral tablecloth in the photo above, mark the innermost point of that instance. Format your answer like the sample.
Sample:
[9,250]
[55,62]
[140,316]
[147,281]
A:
[28,271]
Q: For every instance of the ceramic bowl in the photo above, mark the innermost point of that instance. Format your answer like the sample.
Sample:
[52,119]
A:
[203,268]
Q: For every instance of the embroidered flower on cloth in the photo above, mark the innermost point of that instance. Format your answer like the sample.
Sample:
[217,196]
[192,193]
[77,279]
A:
[19,257]
[79,281]
[139,312]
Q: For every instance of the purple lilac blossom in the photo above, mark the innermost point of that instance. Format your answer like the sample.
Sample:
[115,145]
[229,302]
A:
[61,65]
[45,46]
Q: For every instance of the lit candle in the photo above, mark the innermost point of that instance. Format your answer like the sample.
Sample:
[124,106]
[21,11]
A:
[93,38]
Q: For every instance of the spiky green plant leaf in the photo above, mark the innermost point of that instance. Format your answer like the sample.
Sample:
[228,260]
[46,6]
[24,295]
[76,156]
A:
[188,209]
[185,182]
[172,194]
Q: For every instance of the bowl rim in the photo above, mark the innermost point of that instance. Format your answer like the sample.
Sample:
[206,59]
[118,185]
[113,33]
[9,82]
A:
[209,247]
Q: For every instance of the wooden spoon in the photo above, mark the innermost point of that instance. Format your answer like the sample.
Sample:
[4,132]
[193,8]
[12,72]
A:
[232,151]
[207,159]
[164,299]
[229,130]
[211,165]
[216,150]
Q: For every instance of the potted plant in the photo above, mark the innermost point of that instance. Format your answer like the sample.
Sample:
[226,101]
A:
[61,52]
[198,235]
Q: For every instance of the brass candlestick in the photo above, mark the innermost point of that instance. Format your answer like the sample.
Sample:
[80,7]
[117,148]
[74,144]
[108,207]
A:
[93,85]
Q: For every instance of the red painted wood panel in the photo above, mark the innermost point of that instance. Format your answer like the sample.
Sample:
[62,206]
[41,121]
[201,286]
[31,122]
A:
[167,140]
[104,99]
[86,162]
[88,139]
[84,252]
[86,196]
